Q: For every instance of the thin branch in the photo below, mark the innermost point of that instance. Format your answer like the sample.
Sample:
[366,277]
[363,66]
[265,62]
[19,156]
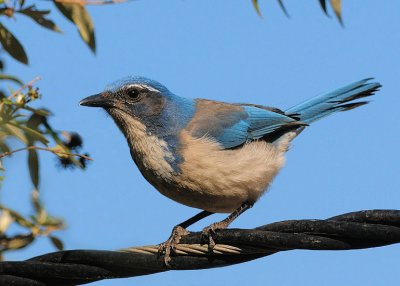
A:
[44,149]
[29,84]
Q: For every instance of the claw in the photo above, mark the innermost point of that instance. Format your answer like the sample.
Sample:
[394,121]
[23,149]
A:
[208,234]
[169,246]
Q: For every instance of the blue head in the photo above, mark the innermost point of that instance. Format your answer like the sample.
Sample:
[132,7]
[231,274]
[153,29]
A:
[144,110]
[146,101]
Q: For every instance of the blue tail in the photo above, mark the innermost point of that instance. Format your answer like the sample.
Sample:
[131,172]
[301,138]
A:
[341,99]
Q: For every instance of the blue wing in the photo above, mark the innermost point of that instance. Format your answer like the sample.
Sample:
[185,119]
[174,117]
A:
[232,125]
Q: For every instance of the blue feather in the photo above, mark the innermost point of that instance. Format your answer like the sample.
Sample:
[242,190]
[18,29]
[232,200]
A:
[338,100]
[233,128]
[263,122]
[116,85]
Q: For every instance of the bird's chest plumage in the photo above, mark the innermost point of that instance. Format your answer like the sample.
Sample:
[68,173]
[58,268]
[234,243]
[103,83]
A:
[208,177]
[220,180]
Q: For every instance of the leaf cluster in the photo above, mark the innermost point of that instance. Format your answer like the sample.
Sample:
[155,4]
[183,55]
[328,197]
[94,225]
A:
[73,10]
[29,129]
[335,4]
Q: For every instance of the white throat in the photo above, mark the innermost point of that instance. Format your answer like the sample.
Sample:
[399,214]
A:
[151,152]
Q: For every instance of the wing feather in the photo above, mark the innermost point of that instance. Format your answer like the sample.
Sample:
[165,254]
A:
[232,125]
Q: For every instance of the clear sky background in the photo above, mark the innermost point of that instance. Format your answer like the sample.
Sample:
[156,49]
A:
[223,50]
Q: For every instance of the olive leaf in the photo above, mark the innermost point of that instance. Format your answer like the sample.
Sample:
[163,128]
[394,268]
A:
[5,220]
[337,8]
[280,2]
[281,5]
[33,164]
[11,78]
[35,120]
[56,242]
[4,147]
[15,131]
[19,241]
[257,7]
[18,218]
[31,134]
[78,15]
[323,6]
[39,17]
[12,45]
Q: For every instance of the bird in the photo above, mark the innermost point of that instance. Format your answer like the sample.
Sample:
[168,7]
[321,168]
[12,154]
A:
[211,155]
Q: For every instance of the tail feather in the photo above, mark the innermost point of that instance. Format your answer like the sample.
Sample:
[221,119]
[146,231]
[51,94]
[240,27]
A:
[334,101]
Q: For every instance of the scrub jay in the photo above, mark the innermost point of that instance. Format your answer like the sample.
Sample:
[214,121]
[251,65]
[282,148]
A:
[215,156]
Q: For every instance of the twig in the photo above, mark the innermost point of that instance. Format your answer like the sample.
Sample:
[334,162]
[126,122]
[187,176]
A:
[15,93]
[44,149]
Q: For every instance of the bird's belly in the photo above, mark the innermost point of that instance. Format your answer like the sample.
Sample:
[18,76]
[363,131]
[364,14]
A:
[220,180]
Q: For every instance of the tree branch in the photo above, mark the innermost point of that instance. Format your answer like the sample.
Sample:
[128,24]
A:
[44,149]
[15,93]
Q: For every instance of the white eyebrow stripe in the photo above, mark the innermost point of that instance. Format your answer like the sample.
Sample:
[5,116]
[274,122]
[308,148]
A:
[143,86]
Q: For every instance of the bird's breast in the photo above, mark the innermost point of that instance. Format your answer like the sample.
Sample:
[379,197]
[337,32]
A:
[208,176]
[220,180]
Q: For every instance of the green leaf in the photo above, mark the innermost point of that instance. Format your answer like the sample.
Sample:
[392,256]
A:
[78,15]
[56,242]
[4,147]
[5,220]
[61,151]
[19,241]
[39,17]
[35,120]
[12,45]
[14,131]
[33,164]
[41,213]
[7,101]
[11,78]
[41,112]
[280,2]
[32,134]
[256,7]
[337,8]
[53,133]
[53,222]
[18,218]
[323,6]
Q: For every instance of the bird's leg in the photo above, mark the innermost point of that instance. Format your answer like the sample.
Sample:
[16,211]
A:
[177,232]
[209,231]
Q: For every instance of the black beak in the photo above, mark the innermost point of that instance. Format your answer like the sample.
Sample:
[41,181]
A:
[97,100]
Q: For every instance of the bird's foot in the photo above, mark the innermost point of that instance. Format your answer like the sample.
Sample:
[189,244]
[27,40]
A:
[208,233]
[165,249]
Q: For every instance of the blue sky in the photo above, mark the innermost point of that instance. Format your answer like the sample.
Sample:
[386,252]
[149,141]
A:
[223,50]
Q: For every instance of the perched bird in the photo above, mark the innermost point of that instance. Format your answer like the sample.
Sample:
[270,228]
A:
[215,156]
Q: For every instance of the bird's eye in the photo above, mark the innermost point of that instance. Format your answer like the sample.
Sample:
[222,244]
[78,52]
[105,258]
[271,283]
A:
[133,94]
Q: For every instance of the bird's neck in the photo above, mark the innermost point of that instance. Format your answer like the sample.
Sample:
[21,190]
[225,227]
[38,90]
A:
[151,153]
